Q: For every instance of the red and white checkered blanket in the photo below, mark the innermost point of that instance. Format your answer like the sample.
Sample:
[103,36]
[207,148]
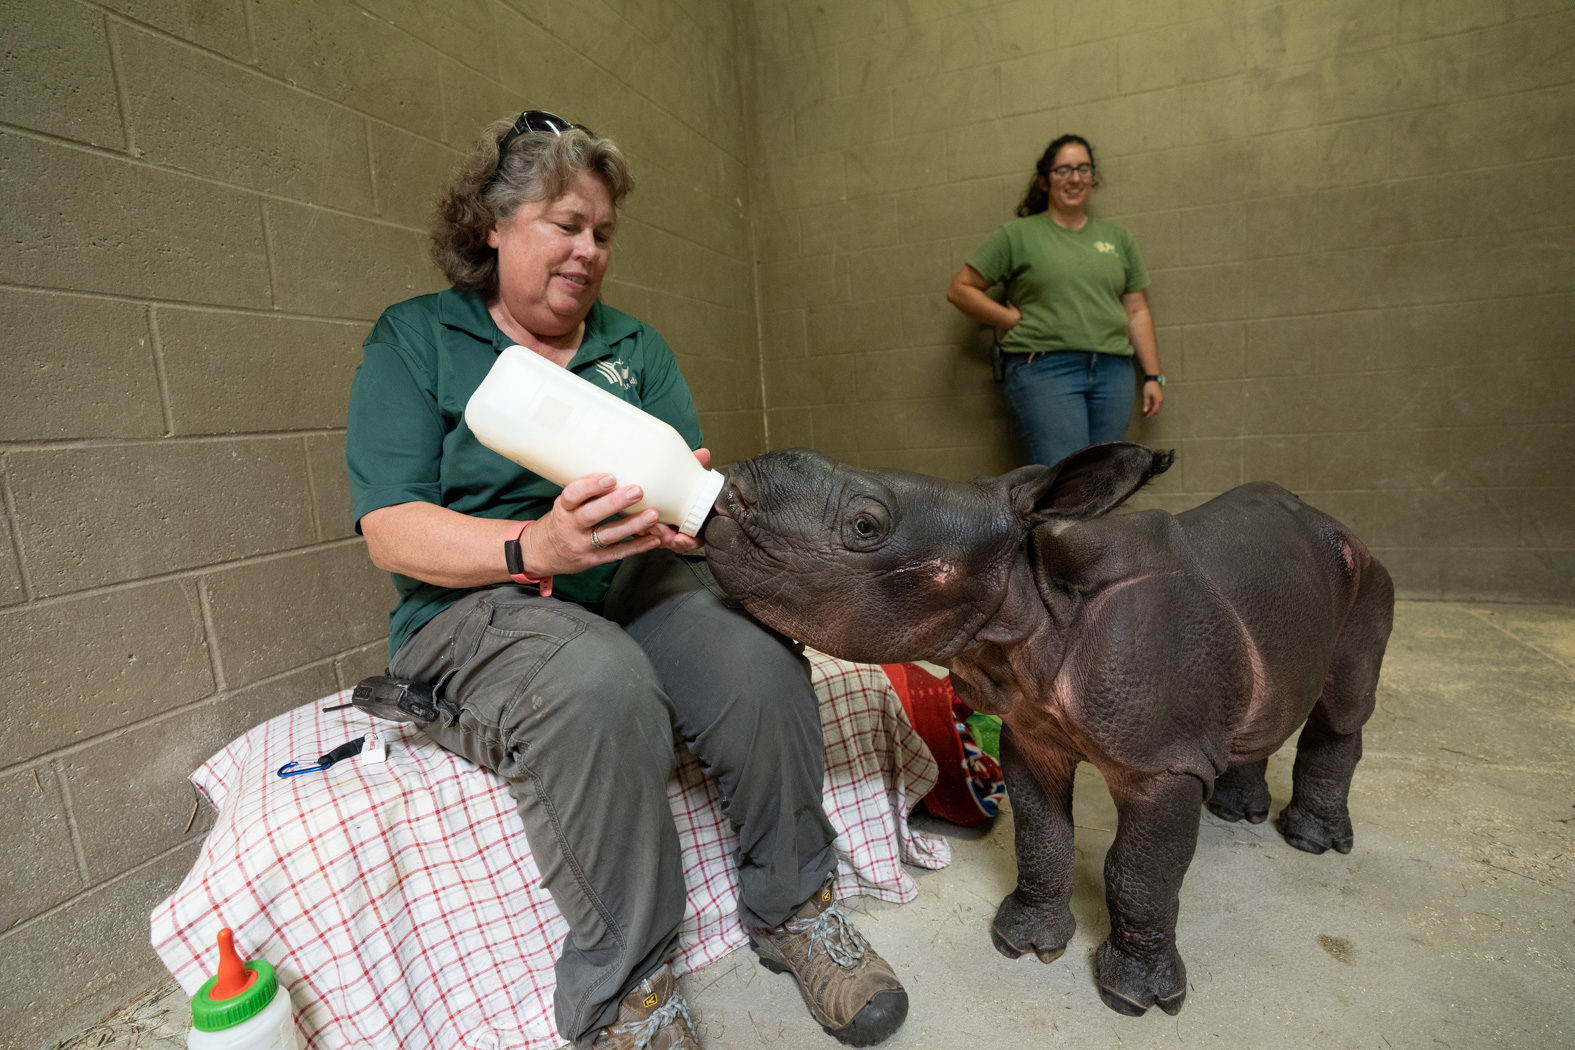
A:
[399,901]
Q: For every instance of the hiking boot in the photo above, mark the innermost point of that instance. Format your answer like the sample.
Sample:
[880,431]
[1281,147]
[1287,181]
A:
[653,1016]
[851,991]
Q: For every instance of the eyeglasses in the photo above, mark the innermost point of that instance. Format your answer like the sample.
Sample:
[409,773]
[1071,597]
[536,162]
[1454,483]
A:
[538,120]
[1065,171]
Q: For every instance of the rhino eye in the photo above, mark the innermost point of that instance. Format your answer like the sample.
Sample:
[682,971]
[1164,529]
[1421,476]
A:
[865,529]
[866,523]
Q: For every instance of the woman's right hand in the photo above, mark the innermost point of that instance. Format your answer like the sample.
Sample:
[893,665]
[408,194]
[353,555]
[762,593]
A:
[969,293]
[564,540]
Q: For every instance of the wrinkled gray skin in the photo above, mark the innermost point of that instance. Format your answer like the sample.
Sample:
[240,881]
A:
[1174,652]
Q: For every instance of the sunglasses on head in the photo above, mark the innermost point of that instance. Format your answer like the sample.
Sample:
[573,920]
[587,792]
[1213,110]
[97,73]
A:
[536,120]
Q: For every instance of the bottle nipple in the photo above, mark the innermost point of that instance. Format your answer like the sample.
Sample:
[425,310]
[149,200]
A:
[234,977]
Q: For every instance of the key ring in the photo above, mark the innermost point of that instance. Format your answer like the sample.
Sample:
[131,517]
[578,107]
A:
[348,749]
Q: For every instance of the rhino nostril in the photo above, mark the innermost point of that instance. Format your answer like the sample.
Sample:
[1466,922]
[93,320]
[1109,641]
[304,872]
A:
[735,497]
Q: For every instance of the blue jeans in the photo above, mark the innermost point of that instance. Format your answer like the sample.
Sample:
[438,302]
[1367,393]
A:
[1065,400]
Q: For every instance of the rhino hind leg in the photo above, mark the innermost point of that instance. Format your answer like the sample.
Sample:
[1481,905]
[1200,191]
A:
[1036,917]
[1241,793]
[1138,966]
[1317,818]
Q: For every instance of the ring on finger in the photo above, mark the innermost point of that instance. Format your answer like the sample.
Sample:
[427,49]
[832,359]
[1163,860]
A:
[596,541]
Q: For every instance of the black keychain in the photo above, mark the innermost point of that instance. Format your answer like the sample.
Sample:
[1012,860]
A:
[349,749]
[382,696]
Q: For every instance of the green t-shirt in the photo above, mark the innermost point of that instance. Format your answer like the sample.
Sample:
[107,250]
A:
[1068,284]
[408,442]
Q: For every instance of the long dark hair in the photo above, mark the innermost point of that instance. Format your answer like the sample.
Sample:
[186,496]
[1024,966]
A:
[1037,199]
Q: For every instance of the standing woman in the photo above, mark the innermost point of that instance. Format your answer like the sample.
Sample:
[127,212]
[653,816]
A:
[1074,313]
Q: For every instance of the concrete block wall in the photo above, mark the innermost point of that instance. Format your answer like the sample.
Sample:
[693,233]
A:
[205,206]
[1357,214]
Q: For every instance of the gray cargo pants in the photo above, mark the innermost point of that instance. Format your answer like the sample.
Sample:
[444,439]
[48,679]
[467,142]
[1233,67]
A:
[577,713]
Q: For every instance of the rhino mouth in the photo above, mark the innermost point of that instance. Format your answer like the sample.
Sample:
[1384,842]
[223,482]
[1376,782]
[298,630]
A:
[733,535]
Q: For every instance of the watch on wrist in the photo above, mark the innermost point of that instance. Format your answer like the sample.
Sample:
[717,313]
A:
[514,558]
[1160,379]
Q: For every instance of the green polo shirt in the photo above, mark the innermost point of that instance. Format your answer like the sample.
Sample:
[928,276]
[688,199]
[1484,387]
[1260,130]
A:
[407,439]
[1068,284]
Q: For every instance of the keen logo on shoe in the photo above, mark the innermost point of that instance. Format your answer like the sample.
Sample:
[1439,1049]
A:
[646,1022]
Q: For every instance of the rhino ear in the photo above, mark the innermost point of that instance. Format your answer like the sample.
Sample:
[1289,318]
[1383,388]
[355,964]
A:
[1086,484]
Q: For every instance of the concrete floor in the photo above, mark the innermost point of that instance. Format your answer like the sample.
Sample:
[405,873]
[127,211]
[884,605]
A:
[1451,924]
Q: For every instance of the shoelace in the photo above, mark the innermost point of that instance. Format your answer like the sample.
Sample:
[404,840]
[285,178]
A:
[835,935]
[645,1031]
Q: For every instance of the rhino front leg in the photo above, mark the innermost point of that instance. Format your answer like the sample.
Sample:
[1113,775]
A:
[1036,916]
[1138,966]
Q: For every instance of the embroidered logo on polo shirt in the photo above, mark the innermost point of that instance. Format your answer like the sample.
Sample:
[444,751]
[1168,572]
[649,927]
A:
[1106,247]
[617,373]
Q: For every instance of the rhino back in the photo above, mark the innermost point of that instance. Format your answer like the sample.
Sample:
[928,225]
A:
[1289,573]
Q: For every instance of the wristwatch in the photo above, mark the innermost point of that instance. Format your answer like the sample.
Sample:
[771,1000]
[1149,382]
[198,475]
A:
[515,560]
[1160,379]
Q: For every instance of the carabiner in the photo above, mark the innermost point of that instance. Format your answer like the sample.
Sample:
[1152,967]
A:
[289,770]
[349,749]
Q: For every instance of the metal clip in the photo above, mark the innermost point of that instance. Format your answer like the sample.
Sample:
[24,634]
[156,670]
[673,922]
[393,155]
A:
[289,770]
[348,749]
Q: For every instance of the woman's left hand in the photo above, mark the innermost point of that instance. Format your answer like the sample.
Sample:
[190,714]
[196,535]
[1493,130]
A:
[671,538]
[1153,397]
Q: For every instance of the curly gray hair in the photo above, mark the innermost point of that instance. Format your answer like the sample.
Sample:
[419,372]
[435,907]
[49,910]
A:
[539,166]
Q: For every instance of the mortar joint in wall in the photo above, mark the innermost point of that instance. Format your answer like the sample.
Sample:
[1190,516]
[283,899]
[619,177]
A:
[160,373]
[210,634]
[122,93]
[14,529]
[59,769]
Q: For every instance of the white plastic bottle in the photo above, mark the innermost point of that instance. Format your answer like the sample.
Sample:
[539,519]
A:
[549,420]
[243,1007]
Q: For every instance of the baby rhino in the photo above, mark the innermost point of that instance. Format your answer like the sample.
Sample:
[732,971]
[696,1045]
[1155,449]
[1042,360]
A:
[1174,652]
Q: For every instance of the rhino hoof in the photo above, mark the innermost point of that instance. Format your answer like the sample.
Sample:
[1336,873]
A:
[1252,814]
[1130,984]
[1120,1003]
[1240,792]
[1311,833]
[1012,951]
[1019,929]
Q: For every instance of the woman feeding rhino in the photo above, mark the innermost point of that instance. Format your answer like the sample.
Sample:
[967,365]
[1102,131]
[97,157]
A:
[1075,311]
[566,643]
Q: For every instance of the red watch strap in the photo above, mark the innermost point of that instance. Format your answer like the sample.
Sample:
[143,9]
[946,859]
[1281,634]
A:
[544,582]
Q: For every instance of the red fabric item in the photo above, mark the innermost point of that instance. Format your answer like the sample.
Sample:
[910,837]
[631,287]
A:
[930,703]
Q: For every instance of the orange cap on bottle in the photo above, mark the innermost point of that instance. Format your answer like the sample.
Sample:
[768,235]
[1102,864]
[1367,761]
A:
[234,976]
